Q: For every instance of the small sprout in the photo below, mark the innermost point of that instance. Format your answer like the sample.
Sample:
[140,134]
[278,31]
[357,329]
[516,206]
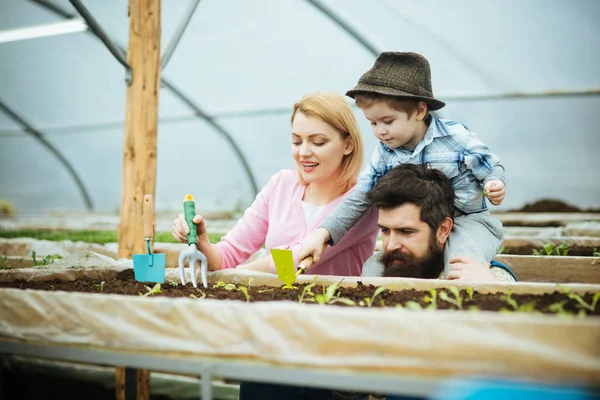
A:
[413,305]
[193,296]
[219,284]
[583,304]
[245,291]
[512,302]
[369,300]
[527,307]
[265,290]
[202,294]
[250,280]
[229,287]
[342,300]
[172,283]
[469,291]
[100,286]
[595,252]
[457,301]
[552,250]
[151,291]
[432,299]
[306,291]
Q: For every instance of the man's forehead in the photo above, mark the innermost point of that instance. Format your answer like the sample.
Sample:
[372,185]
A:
[406,215]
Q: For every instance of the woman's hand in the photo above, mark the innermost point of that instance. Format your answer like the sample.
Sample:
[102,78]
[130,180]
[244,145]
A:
[181,229]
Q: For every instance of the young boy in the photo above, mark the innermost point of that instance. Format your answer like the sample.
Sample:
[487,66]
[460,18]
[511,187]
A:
[396,96]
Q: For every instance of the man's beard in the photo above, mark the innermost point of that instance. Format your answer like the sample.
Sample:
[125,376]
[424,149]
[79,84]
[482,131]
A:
[428,267]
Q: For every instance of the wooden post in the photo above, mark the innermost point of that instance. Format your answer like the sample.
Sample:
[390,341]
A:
[141,120]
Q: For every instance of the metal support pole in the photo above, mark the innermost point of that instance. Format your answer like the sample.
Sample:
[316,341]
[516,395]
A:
[99,32]
[206,377]
[179,33]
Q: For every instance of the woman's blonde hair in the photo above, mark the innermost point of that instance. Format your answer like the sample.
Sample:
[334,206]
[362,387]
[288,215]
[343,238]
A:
[333,109]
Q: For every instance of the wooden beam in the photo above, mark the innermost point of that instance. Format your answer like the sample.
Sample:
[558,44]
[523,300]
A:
[141,120]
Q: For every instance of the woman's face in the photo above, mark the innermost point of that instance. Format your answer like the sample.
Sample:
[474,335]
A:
[317,148]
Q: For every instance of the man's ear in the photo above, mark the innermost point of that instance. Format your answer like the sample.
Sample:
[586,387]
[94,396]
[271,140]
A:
[444,230]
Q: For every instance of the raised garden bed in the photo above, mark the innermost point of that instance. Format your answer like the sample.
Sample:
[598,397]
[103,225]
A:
[438,343]
[561,302]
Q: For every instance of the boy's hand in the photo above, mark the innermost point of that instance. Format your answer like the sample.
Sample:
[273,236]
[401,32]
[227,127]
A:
[466,268]
[495,191]
[314,245]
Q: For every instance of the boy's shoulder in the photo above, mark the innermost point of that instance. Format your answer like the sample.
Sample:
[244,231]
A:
[453,127]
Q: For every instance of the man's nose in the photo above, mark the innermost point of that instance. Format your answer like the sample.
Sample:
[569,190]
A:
[394,243]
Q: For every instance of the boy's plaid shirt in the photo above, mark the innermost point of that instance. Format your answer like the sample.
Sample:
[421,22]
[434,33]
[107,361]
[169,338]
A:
[450,147]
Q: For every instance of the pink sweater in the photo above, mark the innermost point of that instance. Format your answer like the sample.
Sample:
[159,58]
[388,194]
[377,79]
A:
[276,219]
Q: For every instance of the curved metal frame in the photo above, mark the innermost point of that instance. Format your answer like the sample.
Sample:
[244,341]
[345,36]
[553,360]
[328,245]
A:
[40,137]
[197,110]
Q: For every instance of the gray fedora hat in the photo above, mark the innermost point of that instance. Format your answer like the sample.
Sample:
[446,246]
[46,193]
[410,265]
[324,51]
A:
[399,74]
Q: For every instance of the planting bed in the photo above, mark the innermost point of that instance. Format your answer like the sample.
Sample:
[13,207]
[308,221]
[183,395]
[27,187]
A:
[281,334]
[362,295]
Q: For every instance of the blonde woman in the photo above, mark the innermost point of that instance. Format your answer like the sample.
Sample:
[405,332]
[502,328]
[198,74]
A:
[328,152]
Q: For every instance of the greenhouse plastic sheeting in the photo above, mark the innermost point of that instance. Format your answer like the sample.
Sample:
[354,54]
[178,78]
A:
[439,343]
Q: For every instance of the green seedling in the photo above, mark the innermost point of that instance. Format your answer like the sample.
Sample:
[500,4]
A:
[511,302]
[172,283]
[49,259]
[100,286]
[219,284]
[151,291]
[306,292]
[552,250]
[202,295]
[583,304]
[457,301]
[245,291]
[431,299]
[250,280]
[595,252]
[329,294]
[229,287]
[342,300]
[413,305]
[369,300]
[469,291]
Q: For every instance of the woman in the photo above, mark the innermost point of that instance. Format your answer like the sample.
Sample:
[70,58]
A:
[328,151]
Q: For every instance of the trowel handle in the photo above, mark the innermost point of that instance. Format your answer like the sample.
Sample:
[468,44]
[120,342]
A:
[148,217]
[189,211]
[304,265]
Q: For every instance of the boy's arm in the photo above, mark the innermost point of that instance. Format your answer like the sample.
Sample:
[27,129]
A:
[484,164]
[346,215]
[356,204]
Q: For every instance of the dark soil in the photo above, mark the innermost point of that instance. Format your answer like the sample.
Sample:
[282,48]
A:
[550,206]
[125,284]
[580,251]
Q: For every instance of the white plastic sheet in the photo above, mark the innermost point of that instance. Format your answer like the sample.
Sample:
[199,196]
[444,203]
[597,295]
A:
[442,343]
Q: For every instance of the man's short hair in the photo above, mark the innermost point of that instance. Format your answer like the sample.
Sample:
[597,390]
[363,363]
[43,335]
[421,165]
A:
[427,188]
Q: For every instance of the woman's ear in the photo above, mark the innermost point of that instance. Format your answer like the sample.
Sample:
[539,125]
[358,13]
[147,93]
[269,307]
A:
[444,231]
[349,147]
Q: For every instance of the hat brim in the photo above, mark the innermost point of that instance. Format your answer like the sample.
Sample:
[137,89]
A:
[433,104]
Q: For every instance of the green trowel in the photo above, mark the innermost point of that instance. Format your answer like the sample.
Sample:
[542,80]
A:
[284,264]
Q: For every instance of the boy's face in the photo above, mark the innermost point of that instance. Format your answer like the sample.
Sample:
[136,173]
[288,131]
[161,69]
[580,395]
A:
[395,128]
